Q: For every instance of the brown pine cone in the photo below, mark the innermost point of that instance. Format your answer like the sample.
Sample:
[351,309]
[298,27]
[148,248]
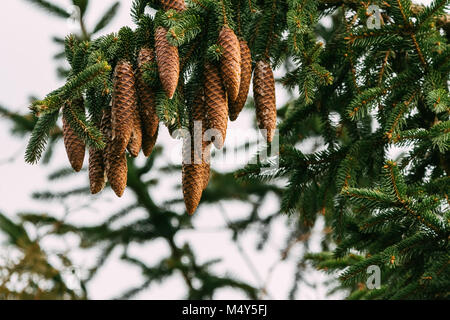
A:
[230,63]
[135,144]
[97,173]
[216,104]
[75,146]
[264,92]
[117,170]
[246,77]
[115,161]
[124,105]
[192,177]
[147,105]
[148,143]
[178,5]
[168,62]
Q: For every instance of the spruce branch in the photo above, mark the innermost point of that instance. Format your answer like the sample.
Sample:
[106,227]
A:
[40,135]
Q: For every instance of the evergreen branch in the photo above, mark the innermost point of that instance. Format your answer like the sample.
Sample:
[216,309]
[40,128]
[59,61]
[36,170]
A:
[419,51]
[39,136]
[426,14]
[86,131]
[403,9]
[406,205]
[383,67]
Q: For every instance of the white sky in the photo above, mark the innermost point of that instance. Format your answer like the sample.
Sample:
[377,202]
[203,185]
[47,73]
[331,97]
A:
[27,68]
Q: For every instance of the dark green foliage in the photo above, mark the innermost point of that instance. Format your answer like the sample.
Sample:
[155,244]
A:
[389,87]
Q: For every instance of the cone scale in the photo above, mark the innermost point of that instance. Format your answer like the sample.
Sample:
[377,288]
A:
[177,5]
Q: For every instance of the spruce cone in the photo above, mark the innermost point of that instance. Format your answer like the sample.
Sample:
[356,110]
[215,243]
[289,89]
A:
[193,178]
[168,62]
[75,146]
[97,174]
[148,143]
[117,171]
[124,105]
[216,104]
[178,5]
[147,107]
[230,63]
[115,160]
[135,144]
[246,77]
[264,92]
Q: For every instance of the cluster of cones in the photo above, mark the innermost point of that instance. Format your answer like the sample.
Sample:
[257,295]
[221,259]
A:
[132,123]
[223,96]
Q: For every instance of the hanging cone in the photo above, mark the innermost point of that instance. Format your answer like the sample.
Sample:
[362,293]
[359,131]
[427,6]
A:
[115,160]
[75,146]
[117,171]
[192,177]
[178,5]
[97,173]
[147,106]
[246,77]
[135,144]
[216,104]
[168,62]
[124,105]
[230,63]
[264,92]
